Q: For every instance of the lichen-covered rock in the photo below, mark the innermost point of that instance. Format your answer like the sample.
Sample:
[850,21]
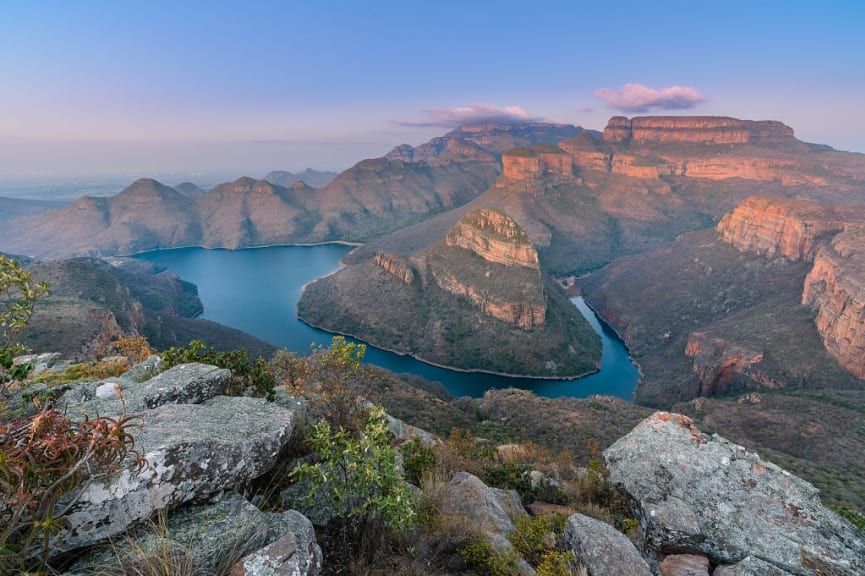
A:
[192,452]
[295,554]
[706,495]
[602,550]
[182,384]
[145,370]
[492,511]
[750,566]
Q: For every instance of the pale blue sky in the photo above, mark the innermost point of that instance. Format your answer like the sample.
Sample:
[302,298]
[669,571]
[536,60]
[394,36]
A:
[245,87]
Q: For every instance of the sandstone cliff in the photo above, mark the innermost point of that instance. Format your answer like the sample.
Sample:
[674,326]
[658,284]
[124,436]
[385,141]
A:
[495,237]
[396,265]
[770,225]
[696,129]
[835,288]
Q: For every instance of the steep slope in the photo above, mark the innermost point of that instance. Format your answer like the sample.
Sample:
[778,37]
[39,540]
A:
[476,300]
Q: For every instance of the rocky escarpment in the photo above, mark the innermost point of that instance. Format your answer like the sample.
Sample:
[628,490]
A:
[835,288]
[696,129]
[526,163]
[508,285]
[829,236]
[719,363]
[396,265]
[771,226]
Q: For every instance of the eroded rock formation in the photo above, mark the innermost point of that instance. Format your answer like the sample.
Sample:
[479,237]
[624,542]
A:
[396,265]
[835,287]
[495,237]
[696,129]
[719,364]
[769,225]
[508,287]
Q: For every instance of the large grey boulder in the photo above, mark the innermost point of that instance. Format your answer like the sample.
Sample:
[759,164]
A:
[208,539]
[707,495]
[491,510]
[750,566]
[192,452]
[602,550]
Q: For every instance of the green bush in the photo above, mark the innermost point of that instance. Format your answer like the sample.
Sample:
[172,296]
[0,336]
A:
[247,376]
[358,477]
[479,556]
[18,296]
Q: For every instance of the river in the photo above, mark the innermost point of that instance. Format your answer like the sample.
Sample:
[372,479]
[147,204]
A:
[256,290]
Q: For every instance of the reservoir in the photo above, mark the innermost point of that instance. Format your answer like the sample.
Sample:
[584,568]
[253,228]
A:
[256,290]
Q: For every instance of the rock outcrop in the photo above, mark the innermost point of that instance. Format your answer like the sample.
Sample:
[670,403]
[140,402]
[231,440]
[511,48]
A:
[508,286]
[770,225]
[720,364]
[602,550]
[397,265]
[495,237]
[705,495]
[829,236]
[191,451]
[527,163]
[835,288]
[696,129]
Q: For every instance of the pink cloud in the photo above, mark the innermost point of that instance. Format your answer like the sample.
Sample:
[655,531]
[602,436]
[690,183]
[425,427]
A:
[474,114]
[640,98]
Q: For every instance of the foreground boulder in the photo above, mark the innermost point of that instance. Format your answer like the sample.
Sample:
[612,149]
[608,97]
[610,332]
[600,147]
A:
[705,495]
[602,550]
[192,451]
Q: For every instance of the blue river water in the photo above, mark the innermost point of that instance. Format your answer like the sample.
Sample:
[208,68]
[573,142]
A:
[256,290]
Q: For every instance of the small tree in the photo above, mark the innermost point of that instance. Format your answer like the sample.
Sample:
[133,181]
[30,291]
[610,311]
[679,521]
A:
[18,295]
[357,475]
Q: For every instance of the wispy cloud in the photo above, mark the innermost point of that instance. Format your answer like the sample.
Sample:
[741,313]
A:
[472,114]
[640,98]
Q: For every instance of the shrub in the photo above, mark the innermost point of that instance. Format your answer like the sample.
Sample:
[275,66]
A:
[358,477]
[18,296]
[480,556]
[247,376]
[418,461]
[557,563]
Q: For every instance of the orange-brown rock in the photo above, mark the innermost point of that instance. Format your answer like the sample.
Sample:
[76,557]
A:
[396,265]
[770,225]
[495,237]
[525,164]
[696,129]
[684,565]
[720,365]
[835,287]
[520,313]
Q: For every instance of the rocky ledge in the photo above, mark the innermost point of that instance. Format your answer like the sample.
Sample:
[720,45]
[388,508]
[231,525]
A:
[696,129]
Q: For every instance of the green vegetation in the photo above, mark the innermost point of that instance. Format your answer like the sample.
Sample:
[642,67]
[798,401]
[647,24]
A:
[18,295]
[247,375]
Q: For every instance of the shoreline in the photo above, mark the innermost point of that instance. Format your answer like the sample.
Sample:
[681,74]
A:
[238,249]
[443,366]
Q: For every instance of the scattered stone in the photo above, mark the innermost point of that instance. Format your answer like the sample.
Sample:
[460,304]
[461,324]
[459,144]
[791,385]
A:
[602,550]
[706,495]
[684,565]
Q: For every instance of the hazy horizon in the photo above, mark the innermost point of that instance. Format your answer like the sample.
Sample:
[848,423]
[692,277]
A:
[108,89]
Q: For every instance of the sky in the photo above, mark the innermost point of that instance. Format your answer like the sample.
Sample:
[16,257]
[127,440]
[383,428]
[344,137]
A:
[245,87]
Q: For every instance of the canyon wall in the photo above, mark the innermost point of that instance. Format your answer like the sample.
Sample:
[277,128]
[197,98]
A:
[835,288]
[696,129]
[495,237]
[398,266]
[833,238]
[523,167]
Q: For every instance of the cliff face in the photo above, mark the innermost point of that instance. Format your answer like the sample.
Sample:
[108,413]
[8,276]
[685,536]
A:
[495,237]
[395,265]
[518,167]
[770,225]
[696,129]
[829,236]
[509,286]
[720,365]
[835,288]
